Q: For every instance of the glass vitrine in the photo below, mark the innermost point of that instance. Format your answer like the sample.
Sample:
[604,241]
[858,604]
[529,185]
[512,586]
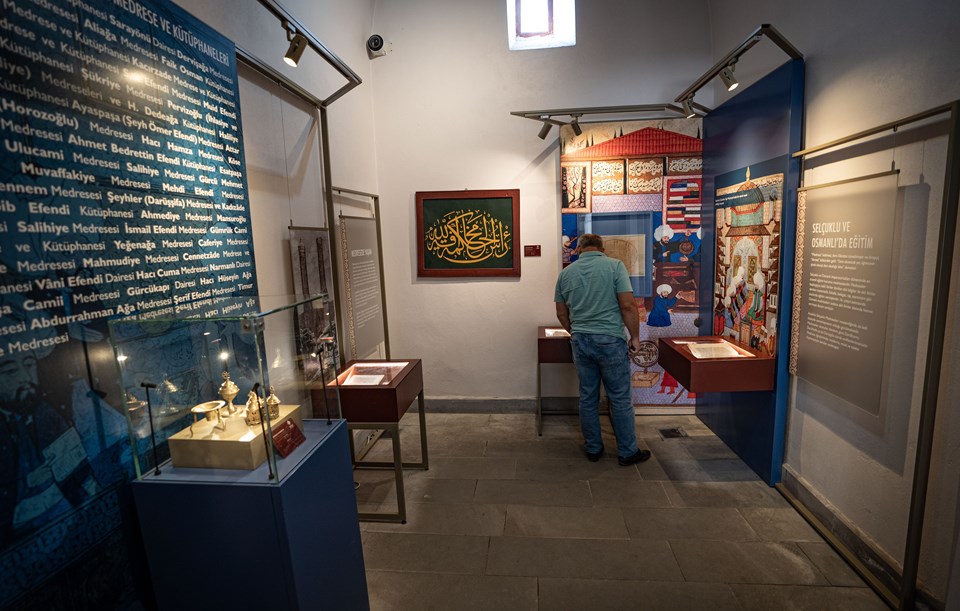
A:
[226,383]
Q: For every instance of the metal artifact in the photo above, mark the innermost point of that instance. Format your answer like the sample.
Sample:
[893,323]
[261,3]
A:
[273,405]
[228,390]
[253,409]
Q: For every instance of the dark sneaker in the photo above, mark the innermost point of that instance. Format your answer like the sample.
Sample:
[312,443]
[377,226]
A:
[594,456]
[640,456]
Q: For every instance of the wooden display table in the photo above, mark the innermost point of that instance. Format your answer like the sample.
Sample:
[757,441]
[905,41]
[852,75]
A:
[714,364]
[553,346]
[375,394]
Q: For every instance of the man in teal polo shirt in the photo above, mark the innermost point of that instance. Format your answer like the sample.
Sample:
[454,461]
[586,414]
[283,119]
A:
[594,301]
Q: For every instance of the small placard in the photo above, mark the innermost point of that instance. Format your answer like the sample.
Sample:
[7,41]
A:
[531,250]
[287,437]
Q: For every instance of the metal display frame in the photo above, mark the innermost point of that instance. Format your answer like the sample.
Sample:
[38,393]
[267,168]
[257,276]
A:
[933,361]
[375,200]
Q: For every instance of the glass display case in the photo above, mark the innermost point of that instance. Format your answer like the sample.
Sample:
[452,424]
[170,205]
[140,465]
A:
[716,364]
[371,374]
[378,390]
[225,383]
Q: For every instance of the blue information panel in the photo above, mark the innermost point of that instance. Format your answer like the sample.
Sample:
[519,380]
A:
[122,190]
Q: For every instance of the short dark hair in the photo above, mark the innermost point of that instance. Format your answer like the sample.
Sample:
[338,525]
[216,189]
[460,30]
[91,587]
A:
[590,239]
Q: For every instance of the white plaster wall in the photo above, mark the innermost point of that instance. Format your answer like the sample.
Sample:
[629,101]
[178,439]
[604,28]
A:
[869,63]
[442,102]
[342,26]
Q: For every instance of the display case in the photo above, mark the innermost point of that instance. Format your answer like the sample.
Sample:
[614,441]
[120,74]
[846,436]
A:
[378,390]
[715,364]
[553,345]
[375,394]
[225,383]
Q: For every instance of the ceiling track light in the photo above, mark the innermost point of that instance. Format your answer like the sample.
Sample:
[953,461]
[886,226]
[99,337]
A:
[688,108]
[575,124]
[729,80]
[298,44]
[544,131]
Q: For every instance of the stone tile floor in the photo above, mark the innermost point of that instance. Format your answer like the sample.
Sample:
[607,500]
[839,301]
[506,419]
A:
[504,519]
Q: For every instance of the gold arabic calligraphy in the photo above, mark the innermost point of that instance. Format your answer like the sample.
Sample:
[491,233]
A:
[468,236]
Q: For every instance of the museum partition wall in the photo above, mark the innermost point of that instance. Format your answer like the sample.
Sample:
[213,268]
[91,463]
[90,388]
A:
[746,278]
[124,190]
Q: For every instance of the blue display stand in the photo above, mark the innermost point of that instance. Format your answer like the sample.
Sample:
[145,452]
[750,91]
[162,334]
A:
[763,122]
[225,539]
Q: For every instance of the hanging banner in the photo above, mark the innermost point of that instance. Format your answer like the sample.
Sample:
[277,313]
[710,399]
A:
[844,258]
[361,256]
[122,190]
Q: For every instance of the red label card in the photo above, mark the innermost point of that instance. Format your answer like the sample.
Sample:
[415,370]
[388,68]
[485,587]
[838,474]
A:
[287,437]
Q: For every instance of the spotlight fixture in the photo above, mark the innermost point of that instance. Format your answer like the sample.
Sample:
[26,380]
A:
[575,124]
[688,107]
[544,131]
[298,45]
[726,75]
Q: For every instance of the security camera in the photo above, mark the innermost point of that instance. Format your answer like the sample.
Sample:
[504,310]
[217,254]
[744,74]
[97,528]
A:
[377,47]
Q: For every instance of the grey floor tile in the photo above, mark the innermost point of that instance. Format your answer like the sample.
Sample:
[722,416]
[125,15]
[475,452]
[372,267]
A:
[614,493]
[727,470]
[833,567]
[604,595]
[652,470]
[521,422]
[447,519]
[702,523]
[806,598]
[569,522]
[437,445]
[433,490]
[779,524]
[508,519]
[583,558]
[473,468]
[376,487]
[421,553]
[708,447]
[395,591]
[723,494]
[379,488]
[710,470]
[557,427]
[575,468]
[745,562]
[435,419]
[531,492]
[538,447]
[668,449]
[684,470]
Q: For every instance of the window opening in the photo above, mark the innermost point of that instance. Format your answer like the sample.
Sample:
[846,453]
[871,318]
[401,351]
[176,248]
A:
[534,18]
[541,24]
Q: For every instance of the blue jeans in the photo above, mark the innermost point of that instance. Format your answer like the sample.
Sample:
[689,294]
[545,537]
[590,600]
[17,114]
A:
[604,357]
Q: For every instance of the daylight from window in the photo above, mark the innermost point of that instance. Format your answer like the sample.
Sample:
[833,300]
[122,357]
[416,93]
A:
[541,24]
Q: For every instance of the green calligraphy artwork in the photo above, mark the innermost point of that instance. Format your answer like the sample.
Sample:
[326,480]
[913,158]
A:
[468,233]
[467,237]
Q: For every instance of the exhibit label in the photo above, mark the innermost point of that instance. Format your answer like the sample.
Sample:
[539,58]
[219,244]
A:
[365,324]
[845,268]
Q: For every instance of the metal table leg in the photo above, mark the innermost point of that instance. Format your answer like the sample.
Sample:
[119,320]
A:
[539,404]
[393,430]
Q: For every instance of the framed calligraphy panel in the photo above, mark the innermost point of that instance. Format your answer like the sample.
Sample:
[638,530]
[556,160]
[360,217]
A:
[468,233]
